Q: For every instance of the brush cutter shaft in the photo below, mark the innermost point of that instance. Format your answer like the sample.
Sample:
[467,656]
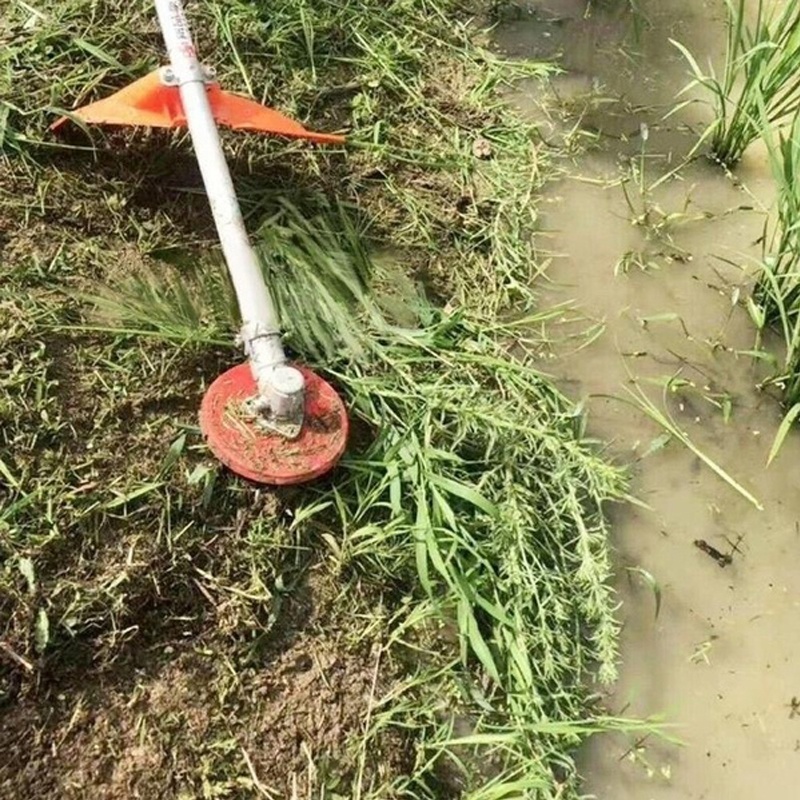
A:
[254,300]
[281,387]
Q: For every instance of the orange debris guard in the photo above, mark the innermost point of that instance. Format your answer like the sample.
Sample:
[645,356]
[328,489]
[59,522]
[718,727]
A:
[267,420]
[152,103]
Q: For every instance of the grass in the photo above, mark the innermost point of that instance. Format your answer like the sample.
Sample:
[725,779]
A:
[776,295]
[758,97]
[775,303]
[473,489]
[426,621]
[663,419]
[759,78]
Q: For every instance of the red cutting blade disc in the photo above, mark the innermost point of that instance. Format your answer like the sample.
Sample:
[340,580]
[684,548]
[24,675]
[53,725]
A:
[258,455]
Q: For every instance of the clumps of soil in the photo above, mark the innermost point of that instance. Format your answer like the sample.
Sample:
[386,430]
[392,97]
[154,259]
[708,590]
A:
[186,720]
[313,708]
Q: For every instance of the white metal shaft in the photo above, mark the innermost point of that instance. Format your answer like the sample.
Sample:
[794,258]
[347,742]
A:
[259,317]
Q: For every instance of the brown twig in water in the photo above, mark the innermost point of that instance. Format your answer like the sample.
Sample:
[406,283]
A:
[723,559]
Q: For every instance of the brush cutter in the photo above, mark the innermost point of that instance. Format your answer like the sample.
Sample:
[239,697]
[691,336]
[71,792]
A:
[267,420]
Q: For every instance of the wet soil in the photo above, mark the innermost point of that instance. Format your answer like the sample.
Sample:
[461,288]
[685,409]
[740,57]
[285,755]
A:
[665,297]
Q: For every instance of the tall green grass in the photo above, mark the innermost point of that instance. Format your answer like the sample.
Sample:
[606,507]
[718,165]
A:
[760,76]
[776,295]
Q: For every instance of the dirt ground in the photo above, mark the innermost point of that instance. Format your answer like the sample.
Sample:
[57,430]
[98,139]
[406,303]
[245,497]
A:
[175,717]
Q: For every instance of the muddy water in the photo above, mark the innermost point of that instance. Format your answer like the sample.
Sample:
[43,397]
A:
[722,659]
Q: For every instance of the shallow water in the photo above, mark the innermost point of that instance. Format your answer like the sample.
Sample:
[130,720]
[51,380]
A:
[721,659]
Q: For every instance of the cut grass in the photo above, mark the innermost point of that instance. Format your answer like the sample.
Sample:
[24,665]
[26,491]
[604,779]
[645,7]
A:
[463,539]
[640,400]
[475,487]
